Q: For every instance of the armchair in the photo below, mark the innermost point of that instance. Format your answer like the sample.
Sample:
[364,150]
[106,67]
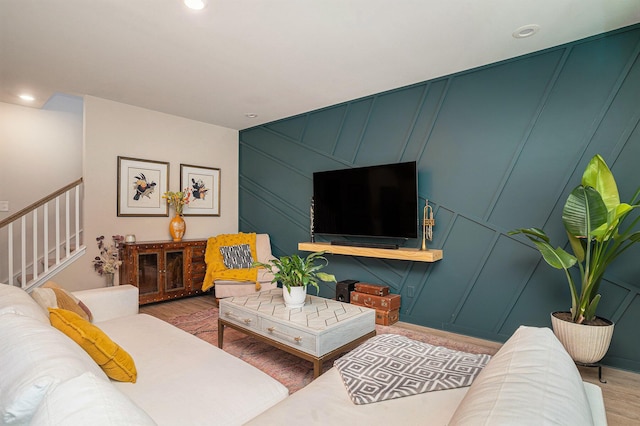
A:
[228,288]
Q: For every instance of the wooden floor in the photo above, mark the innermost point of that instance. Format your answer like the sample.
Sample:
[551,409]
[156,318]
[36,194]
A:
[621,392]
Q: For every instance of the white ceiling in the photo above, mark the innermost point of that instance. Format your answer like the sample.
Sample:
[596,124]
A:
[274,58]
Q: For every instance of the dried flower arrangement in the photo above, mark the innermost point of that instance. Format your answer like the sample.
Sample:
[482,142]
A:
[178,199]
[108,261]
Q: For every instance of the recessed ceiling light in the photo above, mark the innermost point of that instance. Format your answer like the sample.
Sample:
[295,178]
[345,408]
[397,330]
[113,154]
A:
[526,31]
[251,115]
[27,97]
[195,4]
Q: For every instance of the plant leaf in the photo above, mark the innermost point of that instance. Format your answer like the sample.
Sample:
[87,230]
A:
[590,311]
[326,277]
[577,245]
[557,258]
[584,212]
[598,176]
[533,232]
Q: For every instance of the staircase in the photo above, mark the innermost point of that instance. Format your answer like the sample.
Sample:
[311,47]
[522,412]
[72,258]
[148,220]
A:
[42,239]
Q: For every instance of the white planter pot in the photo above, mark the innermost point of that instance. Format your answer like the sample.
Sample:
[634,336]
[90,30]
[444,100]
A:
[296,298]
[587,344]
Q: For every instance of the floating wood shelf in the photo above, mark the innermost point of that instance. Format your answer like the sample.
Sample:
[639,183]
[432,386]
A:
[402,253]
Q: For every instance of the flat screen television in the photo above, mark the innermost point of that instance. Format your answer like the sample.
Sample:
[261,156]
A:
[376,201]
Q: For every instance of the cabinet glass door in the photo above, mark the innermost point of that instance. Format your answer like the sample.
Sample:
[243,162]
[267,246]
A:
[174,270]
[148,273]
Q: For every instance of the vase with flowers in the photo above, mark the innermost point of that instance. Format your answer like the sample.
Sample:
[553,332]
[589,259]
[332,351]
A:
[108,261]
[177,226]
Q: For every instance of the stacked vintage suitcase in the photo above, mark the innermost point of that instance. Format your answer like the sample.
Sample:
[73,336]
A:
[376,296]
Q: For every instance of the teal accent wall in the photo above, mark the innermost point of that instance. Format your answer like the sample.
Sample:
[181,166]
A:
[498,148]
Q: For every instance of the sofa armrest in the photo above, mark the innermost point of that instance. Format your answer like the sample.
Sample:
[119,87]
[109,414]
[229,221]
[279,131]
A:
[110,302]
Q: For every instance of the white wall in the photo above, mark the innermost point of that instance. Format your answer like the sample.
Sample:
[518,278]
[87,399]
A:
[112,129]
[40,151]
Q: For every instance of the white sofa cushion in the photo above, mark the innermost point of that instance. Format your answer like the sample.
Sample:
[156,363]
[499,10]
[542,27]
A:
[530,381]
[89,400]
[182,379]
[14,300]
[35,357]
[325,402]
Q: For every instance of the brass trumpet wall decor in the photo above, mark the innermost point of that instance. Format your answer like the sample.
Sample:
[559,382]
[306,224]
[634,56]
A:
[427,224]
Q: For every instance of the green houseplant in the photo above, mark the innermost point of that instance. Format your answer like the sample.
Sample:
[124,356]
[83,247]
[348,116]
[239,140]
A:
[296,272]
[592,217]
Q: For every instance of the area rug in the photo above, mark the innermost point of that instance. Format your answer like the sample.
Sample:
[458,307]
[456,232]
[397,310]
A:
[293,372]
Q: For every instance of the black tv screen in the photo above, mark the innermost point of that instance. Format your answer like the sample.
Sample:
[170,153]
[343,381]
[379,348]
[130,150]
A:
[374,201]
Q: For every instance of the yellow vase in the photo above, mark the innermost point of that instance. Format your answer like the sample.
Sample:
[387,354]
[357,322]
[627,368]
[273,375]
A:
[177,228]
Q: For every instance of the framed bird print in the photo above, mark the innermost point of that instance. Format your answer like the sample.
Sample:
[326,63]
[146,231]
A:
[203,185]
[141,184]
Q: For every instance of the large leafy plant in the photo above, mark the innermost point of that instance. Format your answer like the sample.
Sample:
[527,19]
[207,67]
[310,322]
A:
[294,271]
[592,217]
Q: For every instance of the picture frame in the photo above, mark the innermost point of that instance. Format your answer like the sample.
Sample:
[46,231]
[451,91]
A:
[204,184]
[141,184]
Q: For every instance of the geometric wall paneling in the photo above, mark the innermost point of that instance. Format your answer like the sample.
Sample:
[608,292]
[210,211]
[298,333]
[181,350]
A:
[447,283]
[543,293]
[507,262]
[474,123]
[388,126]
[322,129]
[625,269]
[497,147]
[276,184]
[623,351]
[291,153]
[352,129]
[292,128]
[280,221]
[424,122]
[413,286]
[615,299]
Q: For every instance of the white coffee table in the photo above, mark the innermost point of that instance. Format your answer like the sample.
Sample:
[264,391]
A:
[320,330]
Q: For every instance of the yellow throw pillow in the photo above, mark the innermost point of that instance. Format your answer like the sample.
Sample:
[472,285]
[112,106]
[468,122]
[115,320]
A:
[114,361]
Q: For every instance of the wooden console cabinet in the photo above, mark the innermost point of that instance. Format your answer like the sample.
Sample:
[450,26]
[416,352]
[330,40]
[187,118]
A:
[163,270]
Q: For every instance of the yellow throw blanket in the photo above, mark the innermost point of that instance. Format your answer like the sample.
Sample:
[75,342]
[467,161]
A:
[216,270]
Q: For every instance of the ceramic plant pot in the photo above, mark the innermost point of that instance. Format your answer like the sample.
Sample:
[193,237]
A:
[587,344]
[296,298]
[177,228]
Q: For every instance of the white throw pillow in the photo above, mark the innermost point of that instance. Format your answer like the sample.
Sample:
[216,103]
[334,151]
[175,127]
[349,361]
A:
[89,400]
[33,358]
[532,380]
[14,300]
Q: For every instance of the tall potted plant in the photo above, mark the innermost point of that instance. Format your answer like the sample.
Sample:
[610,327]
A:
[296,273]
[592,216]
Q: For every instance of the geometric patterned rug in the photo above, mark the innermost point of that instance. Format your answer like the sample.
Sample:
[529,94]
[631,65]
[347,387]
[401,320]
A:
[390,366]
[291,371]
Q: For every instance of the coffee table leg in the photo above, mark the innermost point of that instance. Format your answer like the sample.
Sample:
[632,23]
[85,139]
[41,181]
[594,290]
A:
[317,368]
[220,333]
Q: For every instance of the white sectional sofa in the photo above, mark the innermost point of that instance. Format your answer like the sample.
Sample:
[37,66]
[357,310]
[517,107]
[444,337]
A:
[47,379]
[530,381]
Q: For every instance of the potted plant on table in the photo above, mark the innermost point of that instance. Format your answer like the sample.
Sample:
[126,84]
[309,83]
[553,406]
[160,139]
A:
[295,274]
[592,216]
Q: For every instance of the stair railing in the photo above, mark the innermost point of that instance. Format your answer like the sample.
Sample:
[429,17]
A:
[45,241]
